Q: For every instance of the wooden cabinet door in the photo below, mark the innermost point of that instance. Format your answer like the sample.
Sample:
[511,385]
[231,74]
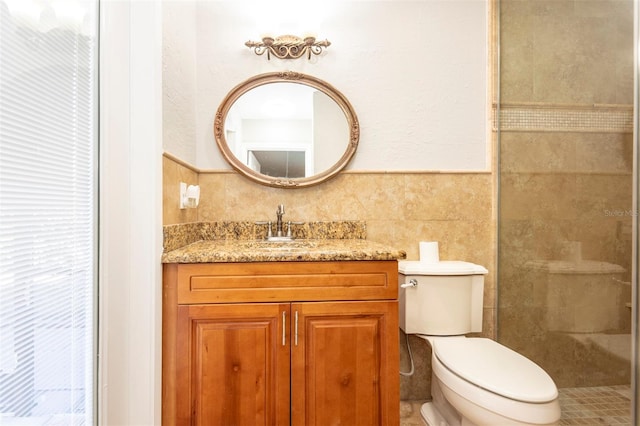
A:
[233,366]
[345,364]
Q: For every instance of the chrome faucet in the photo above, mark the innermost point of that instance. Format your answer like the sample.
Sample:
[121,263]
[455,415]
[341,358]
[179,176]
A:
[280,234]
[279,214]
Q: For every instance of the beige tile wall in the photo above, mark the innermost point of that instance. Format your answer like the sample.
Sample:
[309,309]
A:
[173,172]
[400,209]
[565,182]
[566,51]
[564,198]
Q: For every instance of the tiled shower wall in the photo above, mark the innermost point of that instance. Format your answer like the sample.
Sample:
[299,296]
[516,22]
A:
[566,122]
[400,209]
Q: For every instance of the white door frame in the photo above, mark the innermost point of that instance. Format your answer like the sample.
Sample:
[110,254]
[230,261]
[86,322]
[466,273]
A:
[129,308]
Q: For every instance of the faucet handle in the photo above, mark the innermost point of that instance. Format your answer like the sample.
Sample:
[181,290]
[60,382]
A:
[268,223]
[289,223]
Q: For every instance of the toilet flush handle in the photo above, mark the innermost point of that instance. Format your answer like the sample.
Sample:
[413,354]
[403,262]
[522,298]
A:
[411,283]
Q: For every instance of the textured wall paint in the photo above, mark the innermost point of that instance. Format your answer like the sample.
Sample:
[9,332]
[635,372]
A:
[414,71]
[179,79]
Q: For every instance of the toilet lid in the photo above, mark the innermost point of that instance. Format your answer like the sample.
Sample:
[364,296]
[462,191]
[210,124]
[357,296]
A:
[496,368]
[443,267]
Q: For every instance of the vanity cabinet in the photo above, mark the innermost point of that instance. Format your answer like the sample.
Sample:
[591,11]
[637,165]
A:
[279,343]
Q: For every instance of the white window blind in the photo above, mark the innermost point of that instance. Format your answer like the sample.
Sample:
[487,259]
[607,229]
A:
[48,146]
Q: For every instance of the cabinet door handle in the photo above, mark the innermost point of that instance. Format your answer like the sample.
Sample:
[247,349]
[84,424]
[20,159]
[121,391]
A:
[296,328]
[284,328]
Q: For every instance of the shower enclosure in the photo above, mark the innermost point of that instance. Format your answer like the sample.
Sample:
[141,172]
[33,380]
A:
[565,125]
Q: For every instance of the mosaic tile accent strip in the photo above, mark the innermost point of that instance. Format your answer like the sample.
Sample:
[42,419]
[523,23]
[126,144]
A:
[564,118]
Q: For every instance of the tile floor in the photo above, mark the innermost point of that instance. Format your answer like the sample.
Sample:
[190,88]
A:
[606,405]
[410,413]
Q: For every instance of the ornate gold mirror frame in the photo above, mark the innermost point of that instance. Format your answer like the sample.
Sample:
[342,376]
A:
[290,77]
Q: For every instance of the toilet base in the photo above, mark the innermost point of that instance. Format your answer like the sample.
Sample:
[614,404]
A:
[439,412]
[431,416]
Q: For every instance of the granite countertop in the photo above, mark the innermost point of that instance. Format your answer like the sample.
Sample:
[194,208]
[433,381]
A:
[296,250]
[349,247]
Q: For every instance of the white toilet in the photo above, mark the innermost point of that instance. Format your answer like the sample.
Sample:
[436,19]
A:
[476,381]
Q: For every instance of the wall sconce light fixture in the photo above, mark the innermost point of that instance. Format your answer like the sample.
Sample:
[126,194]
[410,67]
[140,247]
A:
[288,46]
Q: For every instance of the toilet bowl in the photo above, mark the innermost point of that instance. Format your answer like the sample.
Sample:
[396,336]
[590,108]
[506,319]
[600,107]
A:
[475,381]
[484,383]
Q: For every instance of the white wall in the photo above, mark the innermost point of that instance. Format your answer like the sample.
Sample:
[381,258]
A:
[179,78]
[414,71]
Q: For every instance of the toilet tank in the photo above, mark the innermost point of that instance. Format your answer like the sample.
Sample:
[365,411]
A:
[446,300]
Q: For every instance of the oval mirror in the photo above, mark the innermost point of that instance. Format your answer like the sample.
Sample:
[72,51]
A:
[286,129]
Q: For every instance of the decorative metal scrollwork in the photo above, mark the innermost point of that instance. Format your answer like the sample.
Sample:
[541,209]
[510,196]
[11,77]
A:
[288,46]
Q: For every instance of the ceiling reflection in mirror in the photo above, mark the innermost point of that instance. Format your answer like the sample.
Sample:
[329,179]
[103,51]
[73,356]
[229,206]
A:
[286,130]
